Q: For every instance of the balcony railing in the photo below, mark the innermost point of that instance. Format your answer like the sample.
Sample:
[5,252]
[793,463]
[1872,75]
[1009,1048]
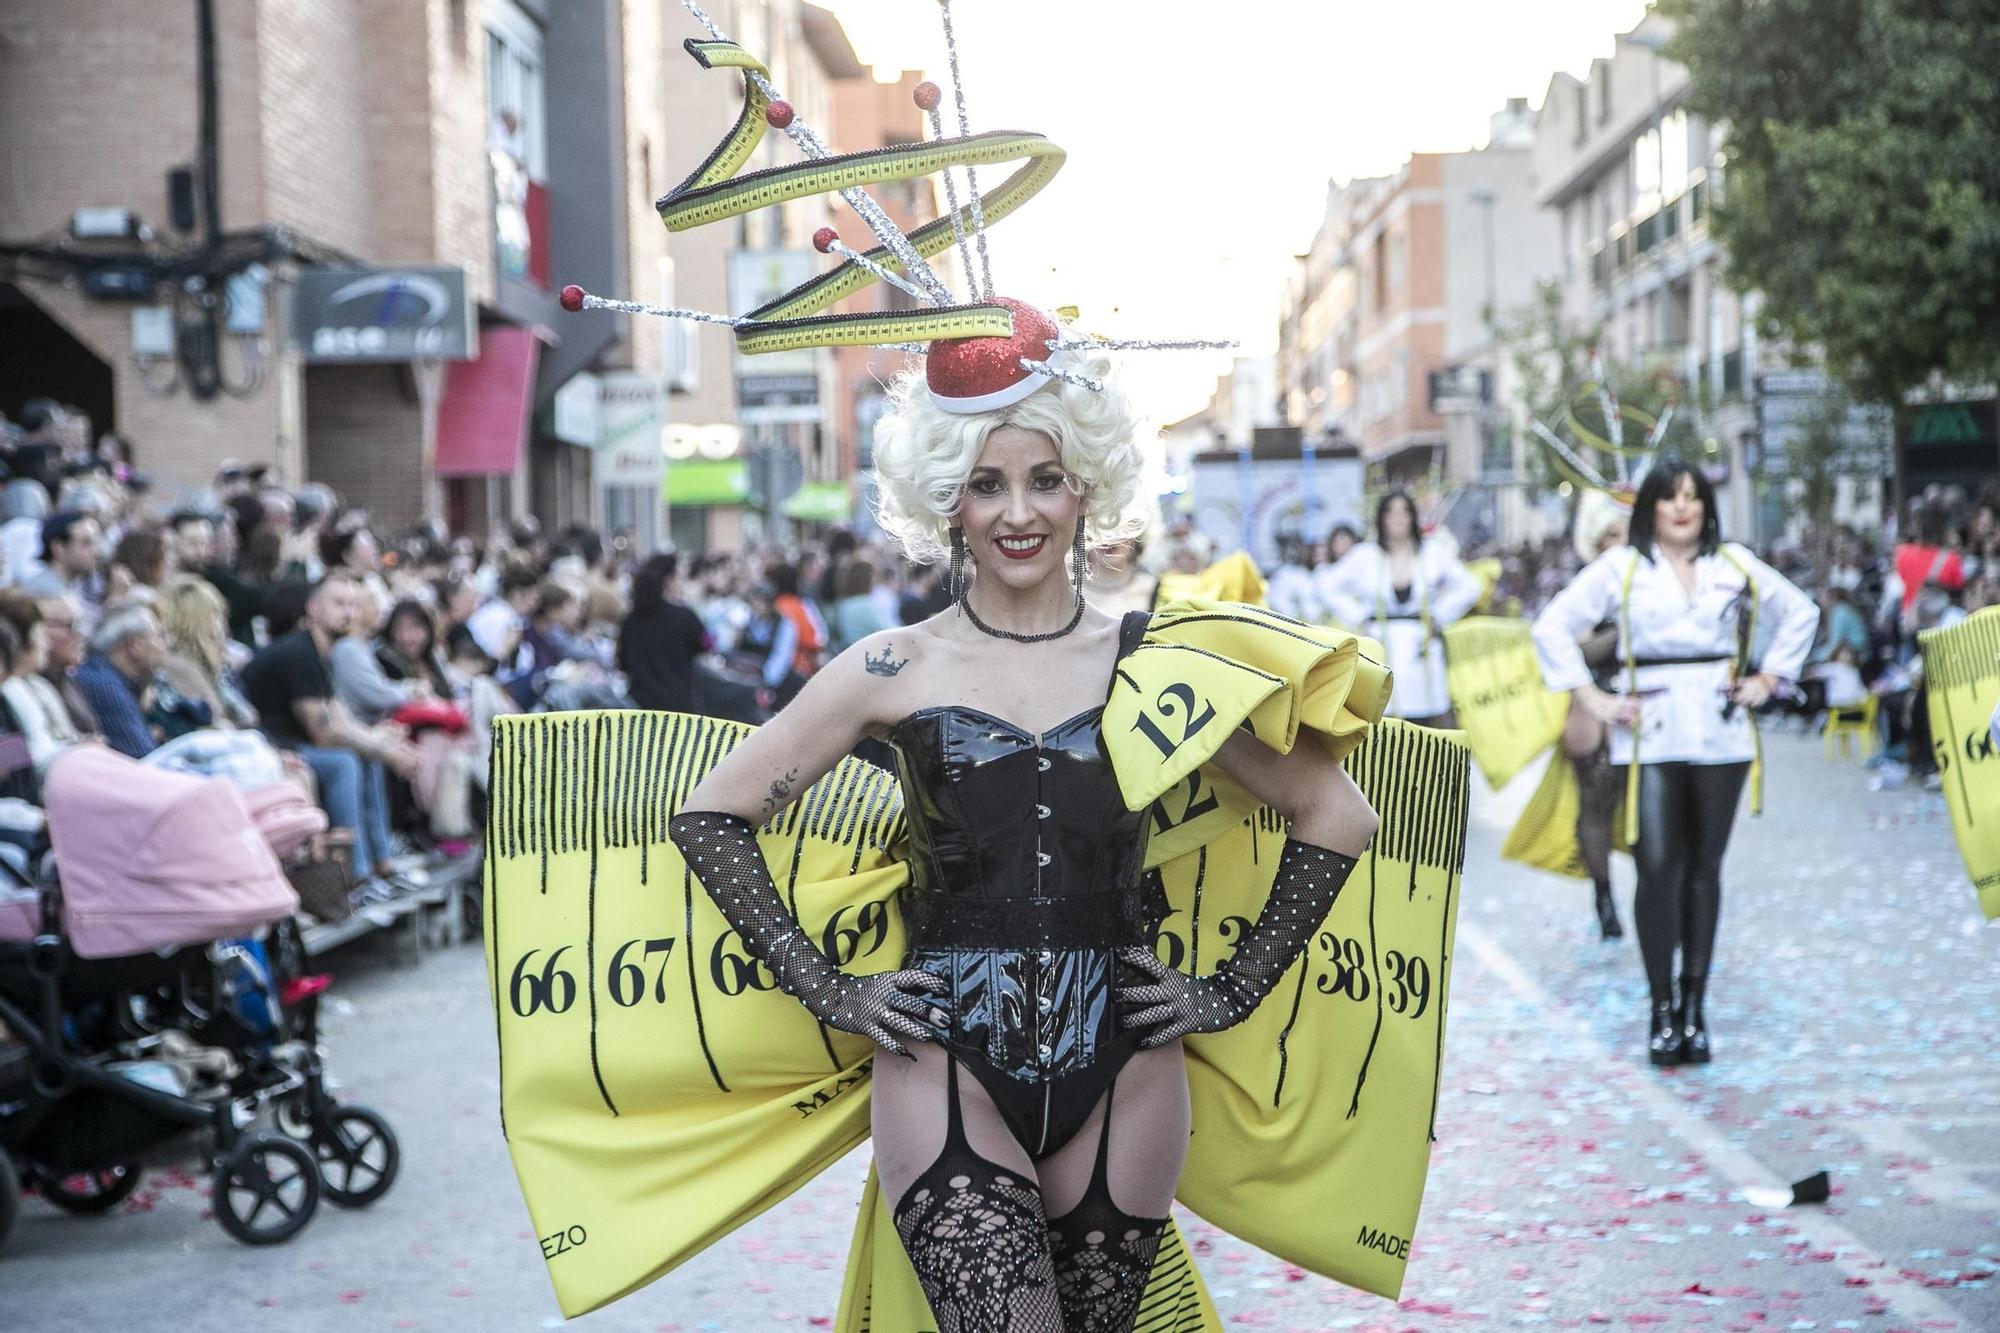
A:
[1645,237]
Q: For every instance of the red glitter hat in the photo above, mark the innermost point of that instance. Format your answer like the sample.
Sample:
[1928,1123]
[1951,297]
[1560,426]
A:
[968,375]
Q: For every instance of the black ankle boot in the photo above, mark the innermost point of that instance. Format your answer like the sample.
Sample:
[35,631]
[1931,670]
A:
[1607,915]
[1693,1029]
[1664,1047]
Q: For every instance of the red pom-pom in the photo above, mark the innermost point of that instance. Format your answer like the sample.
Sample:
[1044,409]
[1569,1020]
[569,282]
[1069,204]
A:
[571,298]
[928,95]
[778,115]
[824,238]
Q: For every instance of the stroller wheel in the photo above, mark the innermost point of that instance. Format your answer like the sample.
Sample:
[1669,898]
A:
[86,1192]
[358,1156]
[10,1196]
[265,1190]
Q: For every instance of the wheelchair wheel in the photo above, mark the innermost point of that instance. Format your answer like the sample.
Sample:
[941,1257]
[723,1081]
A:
[358,1156]
[266,1190]
[10,1197]
[85,1192]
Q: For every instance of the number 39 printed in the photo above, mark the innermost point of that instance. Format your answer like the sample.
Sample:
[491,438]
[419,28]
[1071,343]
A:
[1407,986]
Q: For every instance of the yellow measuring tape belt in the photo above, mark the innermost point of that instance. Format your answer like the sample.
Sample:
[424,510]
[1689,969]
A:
[794,320]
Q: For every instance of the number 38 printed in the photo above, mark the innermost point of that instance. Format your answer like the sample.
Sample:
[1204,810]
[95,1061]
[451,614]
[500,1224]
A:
[1407,988]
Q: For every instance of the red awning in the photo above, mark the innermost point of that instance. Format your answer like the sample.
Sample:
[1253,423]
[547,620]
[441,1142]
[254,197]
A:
[483,413]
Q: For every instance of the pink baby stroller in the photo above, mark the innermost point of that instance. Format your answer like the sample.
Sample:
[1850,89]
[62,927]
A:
[153,867]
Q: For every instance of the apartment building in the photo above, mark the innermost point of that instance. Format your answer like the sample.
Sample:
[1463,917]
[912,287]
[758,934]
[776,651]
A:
[396,188]
[1398,288]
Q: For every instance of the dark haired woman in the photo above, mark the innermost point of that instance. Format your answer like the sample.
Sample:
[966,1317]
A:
[1403,590]
[1688,610]
[661,640]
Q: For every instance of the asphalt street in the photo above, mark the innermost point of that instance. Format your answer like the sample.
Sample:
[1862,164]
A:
[1854,1012]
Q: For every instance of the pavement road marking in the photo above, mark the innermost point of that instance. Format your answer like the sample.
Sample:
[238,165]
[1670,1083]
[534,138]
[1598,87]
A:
[1941,1179]
[1732,1163]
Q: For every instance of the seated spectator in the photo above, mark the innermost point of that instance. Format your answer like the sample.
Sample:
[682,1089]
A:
[70,542]
[409,648]
[139,565]
[661,640]
[38,710]
[498,625]
[20,780]
[195,687]
[291,686]
[24,504]
[856,614]
[369,692]
[125,650]
[191,537]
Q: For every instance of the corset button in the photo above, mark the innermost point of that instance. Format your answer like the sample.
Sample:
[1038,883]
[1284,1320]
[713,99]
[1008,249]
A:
[1043,764]
[1043,1050]
[1041,812]
[1045,1004]
[1043,858]
[1045,958]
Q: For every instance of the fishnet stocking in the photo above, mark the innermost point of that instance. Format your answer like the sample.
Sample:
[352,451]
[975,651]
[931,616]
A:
[976,1234]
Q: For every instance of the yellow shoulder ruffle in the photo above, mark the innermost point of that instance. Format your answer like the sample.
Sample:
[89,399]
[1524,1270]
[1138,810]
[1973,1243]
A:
[1206,669]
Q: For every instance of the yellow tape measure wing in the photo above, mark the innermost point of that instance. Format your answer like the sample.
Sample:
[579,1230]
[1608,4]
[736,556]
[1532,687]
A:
[1313,1119]
[657,1089]
[1962,673]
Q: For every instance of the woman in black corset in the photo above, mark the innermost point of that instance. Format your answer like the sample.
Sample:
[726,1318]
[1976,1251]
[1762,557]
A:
[1031,1000]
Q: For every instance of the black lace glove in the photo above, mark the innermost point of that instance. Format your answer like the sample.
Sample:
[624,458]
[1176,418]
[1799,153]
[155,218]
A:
[1308,880]
[722,851]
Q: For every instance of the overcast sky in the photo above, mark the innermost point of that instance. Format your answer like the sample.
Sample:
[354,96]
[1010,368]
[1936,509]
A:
[1201,137]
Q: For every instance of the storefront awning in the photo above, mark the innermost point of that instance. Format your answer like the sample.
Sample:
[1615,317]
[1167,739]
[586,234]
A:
[483,411]
[707,482]
[820,502]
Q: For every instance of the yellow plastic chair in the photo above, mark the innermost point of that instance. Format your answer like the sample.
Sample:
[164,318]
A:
[1857,721]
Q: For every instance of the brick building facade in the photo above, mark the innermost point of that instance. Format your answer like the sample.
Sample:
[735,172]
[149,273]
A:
[363,133]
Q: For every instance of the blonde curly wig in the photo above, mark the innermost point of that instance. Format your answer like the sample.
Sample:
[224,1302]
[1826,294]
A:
[924,455]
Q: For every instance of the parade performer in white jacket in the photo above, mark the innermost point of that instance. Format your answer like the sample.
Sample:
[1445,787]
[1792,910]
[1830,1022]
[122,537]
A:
[1689,609]
[1402,590]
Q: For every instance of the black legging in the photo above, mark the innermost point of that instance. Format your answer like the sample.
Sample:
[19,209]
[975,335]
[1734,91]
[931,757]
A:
[1685,814]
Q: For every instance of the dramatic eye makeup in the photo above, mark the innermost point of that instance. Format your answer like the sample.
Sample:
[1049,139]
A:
[1046,479]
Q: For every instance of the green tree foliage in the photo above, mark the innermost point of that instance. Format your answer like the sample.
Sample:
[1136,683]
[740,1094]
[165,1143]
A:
[1861,185]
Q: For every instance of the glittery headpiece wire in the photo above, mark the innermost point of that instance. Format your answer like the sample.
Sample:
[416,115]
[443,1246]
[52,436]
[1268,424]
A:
[1623,465]
[797,319]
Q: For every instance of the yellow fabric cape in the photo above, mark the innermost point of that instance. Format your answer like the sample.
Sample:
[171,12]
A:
[1962,671]
[657,1091]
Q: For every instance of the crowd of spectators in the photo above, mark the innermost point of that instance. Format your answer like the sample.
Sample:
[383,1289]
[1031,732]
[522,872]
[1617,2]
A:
[249,624]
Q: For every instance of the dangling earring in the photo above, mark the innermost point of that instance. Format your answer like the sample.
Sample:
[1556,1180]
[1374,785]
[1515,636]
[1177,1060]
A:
[955,578]
[1078,562]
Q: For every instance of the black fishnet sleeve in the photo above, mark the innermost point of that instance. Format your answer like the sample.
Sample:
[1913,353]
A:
[1303,891]
[721,849]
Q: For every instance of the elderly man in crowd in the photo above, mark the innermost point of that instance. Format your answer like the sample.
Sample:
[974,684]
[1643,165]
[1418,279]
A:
[125,650]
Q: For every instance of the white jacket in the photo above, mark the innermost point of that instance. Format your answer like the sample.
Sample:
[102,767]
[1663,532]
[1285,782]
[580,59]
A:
[1682,702]
[1355,594]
